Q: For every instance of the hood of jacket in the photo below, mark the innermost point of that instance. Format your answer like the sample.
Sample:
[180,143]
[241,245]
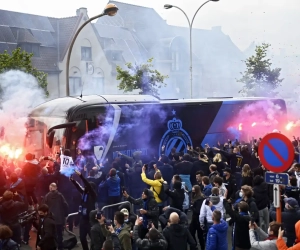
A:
[92,218]
[150,194]
[214,199]
[52,195]
[50,216]
[8,205]
[261,188]
[221,227]
[177,230]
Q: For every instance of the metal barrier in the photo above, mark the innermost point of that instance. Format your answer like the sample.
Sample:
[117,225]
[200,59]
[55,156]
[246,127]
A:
[102,209]
[111,210]
[67,230]
[117,204]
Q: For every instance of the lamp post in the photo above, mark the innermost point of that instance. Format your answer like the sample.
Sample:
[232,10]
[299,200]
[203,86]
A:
[110,10]
[169,6]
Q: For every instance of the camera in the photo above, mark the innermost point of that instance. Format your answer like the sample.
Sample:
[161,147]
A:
[27,217]
[123,189]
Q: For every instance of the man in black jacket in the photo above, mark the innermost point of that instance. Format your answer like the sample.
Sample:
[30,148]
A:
[30,172]
[59,208]
[97,237]
[46,230]
[88,201]
[200,165]
[177,235]
[164,218]
[155,240]
[241,219]
[229,183]
[290,216]
[18,186]
[9,211]
[149,212]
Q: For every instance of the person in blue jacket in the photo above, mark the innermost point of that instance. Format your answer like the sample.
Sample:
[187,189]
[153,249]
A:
[217,234]
[113,185]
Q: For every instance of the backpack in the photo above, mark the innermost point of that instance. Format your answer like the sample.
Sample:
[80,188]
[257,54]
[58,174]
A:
[162,195]
[186,201]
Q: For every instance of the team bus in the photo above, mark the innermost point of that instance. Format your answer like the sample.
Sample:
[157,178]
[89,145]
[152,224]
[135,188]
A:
[104,125]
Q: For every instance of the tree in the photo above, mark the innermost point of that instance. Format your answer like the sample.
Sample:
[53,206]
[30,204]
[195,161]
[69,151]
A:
[259,79]
[142,77]
[21,60]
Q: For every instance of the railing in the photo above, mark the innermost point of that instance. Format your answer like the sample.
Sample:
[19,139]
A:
[117,204]
[102,209]
[67,230]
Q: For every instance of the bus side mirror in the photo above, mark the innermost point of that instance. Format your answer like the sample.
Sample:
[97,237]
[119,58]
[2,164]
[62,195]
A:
[49,138]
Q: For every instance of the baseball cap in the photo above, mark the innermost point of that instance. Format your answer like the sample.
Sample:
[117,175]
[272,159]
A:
[125,211]
[291,202]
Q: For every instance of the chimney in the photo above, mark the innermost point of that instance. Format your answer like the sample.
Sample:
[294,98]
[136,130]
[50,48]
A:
[80,11]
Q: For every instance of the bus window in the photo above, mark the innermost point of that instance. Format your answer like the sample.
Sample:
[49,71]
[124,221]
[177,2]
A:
[35,139]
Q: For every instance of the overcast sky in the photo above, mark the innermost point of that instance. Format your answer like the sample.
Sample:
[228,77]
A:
[245,21]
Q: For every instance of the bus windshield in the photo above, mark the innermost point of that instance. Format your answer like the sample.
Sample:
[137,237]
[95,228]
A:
[36,134]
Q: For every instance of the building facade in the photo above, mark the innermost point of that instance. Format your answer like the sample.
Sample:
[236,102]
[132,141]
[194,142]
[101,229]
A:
[134,35]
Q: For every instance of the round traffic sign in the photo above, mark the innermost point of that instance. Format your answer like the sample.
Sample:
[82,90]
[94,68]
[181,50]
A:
[276,152]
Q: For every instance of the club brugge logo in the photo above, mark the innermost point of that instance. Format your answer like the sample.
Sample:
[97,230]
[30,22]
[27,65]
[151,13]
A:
[175,137]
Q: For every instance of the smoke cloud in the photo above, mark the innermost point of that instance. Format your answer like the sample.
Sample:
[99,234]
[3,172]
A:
[135,127]
[20,94]
[257,119]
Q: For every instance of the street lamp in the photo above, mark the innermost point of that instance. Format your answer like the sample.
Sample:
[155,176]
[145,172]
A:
[169,6]
[110,10]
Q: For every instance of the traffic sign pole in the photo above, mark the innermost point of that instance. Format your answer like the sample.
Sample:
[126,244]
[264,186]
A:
[278,214]
[277,202]
[276,153]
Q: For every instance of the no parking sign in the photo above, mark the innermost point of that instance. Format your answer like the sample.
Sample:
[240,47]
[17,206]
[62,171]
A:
[276,152]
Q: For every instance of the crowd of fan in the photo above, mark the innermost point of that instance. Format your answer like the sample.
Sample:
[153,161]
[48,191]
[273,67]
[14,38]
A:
[179,200]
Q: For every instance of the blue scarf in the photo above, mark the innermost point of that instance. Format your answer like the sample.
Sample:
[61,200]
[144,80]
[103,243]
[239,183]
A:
[14,185]
[145,219]
[118,230]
